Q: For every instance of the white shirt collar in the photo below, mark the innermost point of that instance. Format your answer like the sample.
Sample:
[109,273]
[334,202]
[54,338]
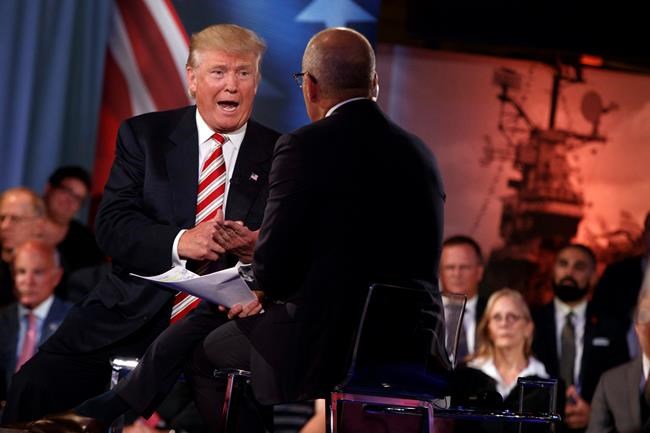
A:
[646,366]
[40,311]
[331,110]
[486,365]
[205,132]
[561,309]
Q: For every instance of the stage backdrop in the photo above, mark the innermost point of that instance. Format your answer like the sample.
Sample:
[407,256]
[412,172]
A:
[526,189]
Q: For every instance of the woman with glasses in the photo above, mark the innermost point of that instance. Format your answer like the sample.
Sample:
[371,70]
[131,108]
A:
[504,339]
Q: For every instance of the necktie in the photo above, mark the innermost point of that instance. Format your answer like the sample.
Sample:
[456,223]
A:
[568,347]
[29,341]
[452,315]
[211,193]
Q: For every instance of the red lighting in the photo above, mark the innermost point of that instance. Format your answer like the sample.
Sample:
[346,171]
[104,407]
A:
[589,60]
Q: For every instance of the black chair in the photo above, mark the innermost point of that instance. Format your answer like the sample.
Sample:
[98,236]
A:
[396,369]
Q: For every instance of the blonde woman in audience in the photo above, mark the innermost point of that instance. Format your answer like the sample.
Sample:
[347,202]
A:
[503,354]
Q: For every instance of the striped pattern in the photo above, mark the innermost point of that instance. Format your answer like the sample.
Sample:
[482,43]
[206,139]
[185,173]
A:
[144,71]
[211,193]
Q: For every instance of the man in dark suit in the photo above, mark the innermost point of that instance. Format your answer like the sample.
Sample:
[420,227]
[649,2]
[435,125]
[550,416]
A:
[30,321]
[574,342]
[338,218]
[620,402]
[147,223]
[461,272]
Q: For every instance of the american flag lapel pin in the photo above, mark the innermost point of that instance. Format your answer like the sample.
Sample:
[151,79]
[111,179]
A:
[253,177]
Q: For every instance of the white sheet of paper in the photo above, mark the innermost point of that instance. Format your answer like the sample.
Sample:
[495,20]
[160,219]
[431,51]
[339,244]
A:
[224,287]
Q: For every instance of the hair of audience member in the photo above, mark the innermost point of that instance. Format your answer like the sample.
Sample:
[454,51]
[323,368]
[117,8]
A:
[484,344]
[464,240]
[41,246]
[229,38]
[585,249]
[70,172]
[342,61]
[36,202]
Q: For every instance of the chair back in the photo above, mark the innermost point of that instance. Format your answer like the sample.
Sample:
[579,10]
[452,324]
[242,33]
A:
[399,347]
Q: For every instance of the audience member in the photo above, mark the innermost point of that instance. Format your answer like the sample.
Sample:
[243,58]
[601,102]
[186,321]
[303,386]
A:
[621,402]
[336,189]
[575,343]
[21,219]
[27,323]
[461,271]
[67,189]
[151,217]
[503,354]
[618,288]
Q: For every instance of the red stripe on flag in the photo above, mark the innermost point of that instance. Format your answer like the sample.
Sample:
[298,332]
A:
[155,63]
[116,106]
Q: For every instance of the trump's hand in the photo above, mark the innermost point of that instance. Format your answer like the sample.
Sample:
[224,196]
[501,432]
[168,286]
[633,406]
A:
[198,243]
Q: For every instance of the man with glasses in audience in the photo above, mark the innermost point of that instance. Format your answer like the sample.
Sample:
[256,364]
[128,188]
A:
[574,343]
[21,218]
[66,191]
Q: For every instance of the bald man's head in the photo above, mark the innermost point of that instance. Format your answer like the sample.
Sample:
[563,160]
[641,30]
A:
[342,62]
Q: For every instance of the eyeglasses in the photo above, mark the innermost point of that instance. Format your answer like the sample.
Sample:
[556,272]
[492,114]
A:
[300,78]
[16,219]
[509,318]
[70,193]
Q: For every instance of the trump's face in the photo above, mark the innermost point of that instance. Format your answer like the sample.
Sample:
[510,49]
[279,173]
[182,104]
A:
[224,85]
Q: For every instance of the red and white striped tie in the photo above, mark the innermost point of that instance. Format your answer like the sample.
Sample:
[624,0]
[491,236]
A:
[211,193]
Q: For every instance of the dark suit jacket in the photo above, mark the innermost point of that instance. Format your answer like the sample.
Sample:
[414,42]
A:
[605,346]
[353,199]
[616,403]
[618,289]
[6,285]
[9,327]
[150,196]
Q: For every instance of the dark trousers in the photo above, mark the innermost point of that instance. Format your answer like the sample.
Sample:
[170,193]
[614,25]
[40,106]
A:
[54,381]
[159,368]
[225,347]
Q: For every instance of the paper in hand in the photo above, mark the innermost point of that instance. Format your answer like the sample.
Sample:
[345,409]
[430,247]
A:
[224,287]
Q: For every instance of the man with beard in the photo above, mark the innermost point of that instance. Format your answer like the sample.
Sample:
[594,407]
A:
[575,343]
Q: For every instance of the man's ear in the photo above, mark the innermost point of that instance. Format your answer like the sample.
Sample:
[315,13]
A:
[312,91]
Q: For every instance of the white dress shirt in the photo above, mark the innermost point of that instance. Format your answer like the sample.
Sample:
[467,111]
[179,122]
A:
[40,313]
[486,365]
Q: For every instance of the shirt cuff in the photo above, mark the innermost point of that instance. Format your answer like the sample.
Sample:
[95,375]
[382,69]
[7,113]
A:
[176,260]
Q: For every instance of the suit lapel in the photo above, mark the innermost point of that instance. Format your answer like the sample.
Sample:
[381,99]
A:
[251,168]
[632,384]
[182,155]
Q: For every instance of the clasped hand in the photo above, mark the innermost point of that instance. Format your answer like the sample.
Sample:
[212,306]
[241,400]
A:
[209,240]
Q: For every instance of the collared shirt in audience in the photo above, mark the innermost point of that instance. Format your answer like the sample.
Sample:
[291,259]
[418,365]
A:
[41,313]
